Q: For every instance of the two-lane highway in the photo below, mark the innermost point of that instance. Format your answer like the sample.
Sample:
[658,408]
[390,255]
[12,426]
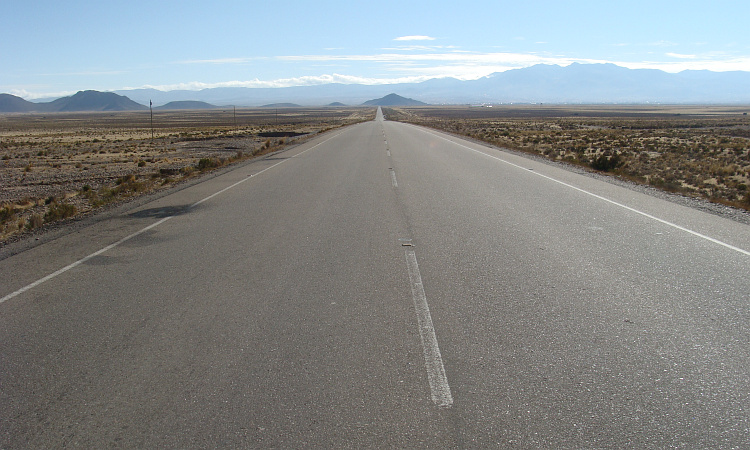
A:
[383,285]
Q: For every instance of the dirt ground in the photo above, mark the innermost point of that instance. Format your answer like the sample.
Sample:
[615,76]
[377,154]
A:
[56,166]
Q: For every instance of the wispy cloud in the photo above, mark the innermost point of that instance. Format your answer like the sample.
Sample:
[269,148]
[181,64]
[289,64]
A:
[287,82]
[681,56]
[448,61]
[34,95]
[414,38]
[418,48]
[505,59]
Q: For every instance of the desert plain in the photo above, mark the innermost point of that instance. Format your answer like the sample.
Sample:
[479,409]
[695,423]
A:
[61,166]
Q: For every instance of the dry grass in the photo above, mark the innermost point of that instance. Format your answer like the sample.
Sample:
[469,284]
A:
[696,151]
[55,166]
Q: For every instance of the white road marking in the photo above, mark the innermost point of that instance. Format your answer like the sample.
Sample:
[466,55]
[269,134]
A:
[644,214]
[439,388]
[82,260]
[393,179]
[137,233]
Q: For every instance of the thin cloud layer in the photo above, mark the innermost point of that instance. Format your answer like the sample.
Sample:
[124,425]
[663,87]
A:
[414,38]
[287,82]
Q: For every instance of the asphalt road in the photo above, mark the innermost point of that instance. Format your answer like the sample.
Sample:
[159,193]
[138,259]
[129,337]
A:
[383,285]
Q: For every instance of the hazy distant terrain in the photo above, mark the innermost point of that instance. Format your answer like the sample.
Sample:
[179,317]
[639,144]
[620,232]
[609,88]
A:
[573,84]
[576,83]
[186,104]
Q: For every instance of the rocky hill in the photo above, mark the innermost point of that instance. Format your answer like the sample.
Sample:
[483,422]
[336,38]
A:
[393,100]
[186,104]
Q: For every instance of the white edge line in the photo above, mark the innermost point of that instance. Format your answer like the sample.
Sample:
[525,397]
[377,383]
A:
[673,225]
[82,260]
[131,236]
[258,173]
[438,381]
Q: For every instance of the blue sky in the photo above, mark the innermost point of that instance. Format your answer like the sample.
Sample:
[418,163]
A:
[54,48]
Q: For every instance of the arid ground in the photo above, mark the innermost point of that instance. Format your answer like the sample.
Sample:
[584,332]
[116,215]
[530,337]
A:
[699,151]
[56,166]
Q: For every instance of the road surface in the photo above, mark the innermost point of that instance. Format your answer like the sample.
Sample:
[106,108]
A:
[383,285]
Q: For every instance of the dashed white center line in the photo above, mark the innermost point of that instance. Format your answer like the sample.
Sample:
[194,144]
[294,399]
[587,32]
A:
[393,179]
[439,388]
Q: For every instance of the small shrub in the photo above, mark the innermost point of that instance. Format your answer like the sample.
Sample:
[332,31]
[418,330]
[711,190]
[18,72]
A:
[606,163]
[206,163]
[7,213]
[35,221]
[126,179]
[59,211]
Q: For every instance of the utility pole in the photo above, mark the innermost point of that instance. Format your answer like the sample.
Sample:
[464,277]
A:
[150,104]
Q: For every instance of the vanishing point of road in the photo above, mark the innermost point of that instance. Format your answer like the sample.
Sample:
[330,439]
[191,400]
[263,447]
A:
[382,285]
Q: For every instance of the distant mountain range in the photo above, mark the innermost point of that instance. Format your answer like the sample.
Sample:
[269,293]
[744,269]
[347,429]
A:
[576,83]
[81,101]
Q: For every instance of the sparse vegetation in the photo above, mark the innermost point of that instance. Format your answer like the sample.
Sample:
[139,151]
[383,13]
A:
[58,211]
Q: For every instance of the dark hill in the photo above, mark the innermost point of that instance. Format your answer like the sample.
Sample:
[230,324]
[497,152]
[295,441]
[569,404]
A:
[187,104]
[336,104]
[92,101]
[11,103]
[393,100]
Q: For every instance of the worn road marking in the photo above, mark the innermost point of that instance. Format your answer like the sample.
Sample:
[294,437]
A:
[439,389]
[138,233]
[393,179]
[644,214]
